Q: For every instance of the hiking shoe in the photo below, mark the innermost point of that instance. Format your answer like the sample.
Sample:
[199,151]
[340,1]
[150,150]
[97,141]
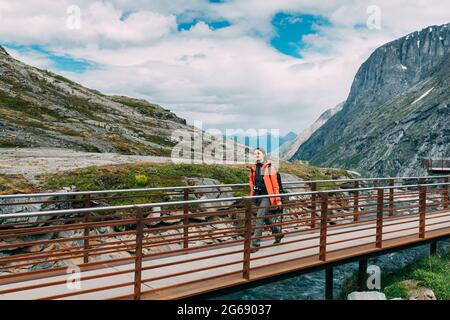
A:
[278,239]
[254,249]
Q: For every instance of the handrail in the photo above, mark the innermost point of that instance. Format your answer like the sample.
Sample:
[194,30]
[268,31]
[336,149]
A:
[75,193]
[160,204]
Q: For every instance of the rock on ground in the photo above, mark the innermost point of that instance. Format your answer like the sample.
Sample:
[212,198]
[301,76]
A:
[366,295]
[418,292]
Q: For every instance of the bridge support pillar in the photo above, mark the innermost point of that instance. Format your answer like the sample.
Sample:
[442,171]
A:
[362,274]
[329,283]
[433,248]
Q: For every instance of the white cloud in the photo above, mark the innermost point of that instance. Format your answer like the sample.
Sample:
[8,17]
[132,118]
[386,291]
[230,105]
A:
[45,22]
[228,77]
[34,58]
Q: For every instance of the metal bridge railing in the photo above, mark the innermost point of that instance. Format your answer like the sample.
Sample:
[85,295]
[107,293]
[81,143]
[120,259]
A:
[163,246]
[436,164]
[143,195]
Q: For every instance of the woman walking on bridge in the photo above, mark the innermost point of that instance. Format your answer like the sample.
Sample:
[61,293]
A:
[264,180]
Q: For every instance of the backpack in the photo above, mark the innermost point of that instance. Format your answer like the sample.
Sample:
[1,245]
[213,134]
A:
[280,209]
[280,184]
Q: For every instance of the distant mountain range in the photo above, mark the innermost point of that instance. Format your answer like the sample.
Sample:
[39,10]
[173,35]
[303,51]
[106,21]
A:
[267,141]
[397,112]
[289,149]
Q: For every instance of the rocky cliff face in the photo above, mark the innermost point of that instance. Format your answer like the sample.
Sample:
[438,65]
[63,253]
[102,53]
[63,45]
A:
[3,51]
[398,110]
[41,109]
[288,151]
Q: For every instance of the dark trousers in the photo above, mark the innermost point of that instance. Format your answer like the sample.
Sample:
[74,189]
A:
[261,219]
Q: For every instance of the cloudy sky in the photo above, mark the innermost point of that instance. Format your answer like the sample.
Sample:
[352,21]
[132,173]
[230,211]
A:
[273,64]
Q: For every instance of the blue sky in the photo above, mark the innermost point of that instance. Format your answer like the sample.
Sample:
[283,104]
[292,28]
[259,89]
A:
[186,25]
[290,29]
[59,62]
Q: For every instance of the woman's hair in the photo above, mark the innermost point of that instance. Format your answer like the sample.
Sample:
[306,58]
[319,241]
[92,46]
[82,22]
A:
[263,151]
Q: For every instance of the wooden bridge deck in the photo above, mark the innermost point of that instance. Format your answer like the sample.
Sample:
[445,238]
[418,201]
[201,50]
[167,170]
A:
[300,255]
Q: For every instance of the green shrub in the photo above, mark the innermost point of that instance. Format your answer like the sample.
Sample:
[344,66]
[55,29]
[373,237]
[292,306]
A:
[141,180]
[396,290]
[431,271]
[438,282]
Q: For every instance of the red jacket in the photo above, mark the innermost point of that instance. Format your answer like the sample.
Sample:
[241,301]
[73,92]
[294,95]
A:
[270,181]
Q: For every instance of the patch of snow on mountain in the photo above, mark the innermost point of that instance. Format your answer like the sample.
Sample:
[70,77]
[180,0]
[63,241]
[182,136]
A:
[423,96]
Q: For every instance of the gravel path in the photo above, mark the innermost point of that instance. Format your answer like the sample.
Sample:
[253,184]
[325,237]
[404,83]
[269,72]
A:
[31,162]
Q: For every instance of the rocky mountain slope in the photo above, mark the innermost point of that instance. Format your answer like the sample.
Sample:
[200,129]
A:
[398,110]
[288,138]
[287,151]
[41,109]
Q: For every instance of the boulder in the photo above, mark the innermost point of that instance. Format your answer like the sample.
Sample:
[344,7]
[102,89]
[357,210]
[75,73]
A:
[112,256]
[172,214]
[9,206]
[154,213]
[72,234]
[19,242]
[210,193]
[291,188]
[102,230]
[366,295]
[422,293]
[338,220]
[166,236]
[14,207]
[418,292]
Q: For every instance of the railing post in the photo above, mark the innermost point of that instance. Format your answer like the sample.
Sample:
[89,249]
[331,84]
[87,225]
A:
[433,247]
[362,274]
[391,197]
[329,283]
[356,203]
[186,219]
[380,209]
[138,257]
[87,204]
[323,226]
[446,195]
[314,205]
[422,210]
[247,239]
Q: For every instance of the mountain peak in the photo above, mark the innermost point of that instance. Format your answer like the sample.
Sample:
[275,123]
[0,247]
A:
[396,110]
[396,66]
